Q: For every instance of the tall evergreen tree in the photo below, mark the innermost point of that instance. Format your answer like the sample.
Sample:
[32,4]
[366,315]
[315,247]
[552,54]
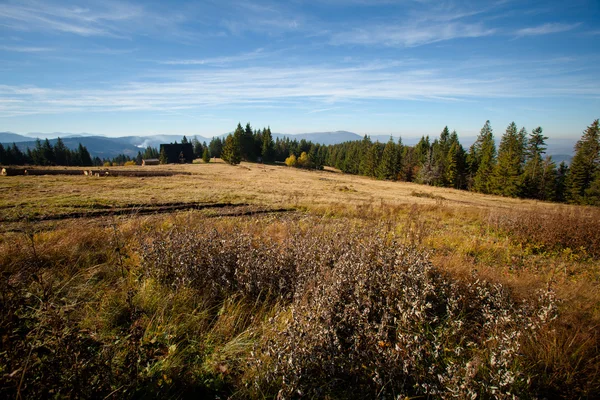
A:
[532,172]
[4,159]
[507,177]
[364,148]
[584,165]
[268,147]
[561,180]
[198,150]
[84,156]
[440,149]
[388,167]
[61,153]
[548,180]
[246,140]
[485,157]
[232,153]
[455,164]
[215,147]
[372,160]
[48,153]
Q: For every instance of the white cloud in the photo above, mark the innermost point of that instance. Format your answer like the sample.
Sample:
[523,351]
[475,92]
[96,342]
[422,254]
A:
[317,87]
[225,60]
[26,49]
[546,29]
[410,35]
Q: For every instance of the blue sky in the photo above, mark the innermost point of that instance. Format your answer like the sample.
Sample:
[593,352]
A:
[372,67]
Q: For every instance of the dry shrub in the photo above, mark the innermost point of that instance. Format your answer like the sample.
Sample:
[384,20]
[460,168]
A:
[574,228]
[381,320]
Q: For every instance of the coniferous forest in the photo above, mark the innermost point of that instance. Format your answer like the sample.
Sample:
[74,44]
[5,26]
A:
[518,167]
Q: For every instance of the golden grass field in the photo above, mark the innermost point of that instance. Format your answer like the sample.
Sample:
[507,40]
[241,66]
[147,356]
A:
[518,243]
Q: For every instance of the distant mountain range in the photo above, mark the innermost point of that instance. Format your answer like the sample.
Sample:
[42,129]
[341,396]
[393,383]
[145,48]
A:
[109,147]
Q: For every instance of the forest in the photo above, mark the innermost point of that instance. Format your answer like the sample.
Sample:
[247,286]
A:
[518,167]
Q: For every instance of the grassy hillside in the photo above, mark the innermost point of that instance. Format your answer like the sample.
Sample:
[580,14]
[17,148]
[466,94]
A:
[261,281]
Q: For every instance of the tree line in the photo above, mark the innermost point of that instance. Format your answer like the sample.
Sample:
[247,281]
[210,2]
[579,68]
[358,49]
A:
[45,154]
[518,167]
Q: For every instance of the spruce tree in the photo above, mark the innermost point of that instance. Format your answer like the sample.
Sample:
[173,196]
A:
[84,156]
[485,157]
[532,172]
[507,179]
[246,140]
[268,149]
[584,165]
[215,147]
[561,180]
[231,150]
[387,168]
[198,149]
[60,152]
[441,147]
[3,156]
[205,155]
[372,160]
[548,180]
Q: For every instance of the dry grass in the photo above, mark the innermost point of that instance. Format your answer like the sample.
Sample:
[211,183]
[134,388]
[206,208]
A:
[84,287]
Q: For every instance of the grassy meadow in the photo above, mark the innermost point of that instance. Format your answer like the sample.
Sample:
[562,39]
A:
[262,281]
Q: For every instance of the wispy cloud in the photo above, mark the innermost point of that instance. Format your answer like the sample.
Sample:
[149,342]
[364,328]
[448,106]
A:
[318,87]
[320,110]
[30,15]
[26,49]
[411,35]
[219,61]
[546,29]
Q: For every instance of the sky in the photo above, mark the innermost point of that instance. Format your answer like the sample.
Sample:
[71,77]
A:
[375,67]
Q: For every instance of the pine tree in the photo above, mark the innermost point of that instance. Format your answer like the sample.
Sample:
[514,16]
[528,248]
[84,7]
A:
[268,149]
[372,160]
[592,194]
[37,154]
[3,156]
[246,140]
[205,155]
[584,165]
[399,158]
[485,156]
[61,153]
[84,156]
[455,165]
[184,140]
[48,153]
[507,179]
[548,180]
[198,150]
[441,148]
[388,168]
[532,172]
[561,180]
[364,148]
[215,147]
[231,150]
